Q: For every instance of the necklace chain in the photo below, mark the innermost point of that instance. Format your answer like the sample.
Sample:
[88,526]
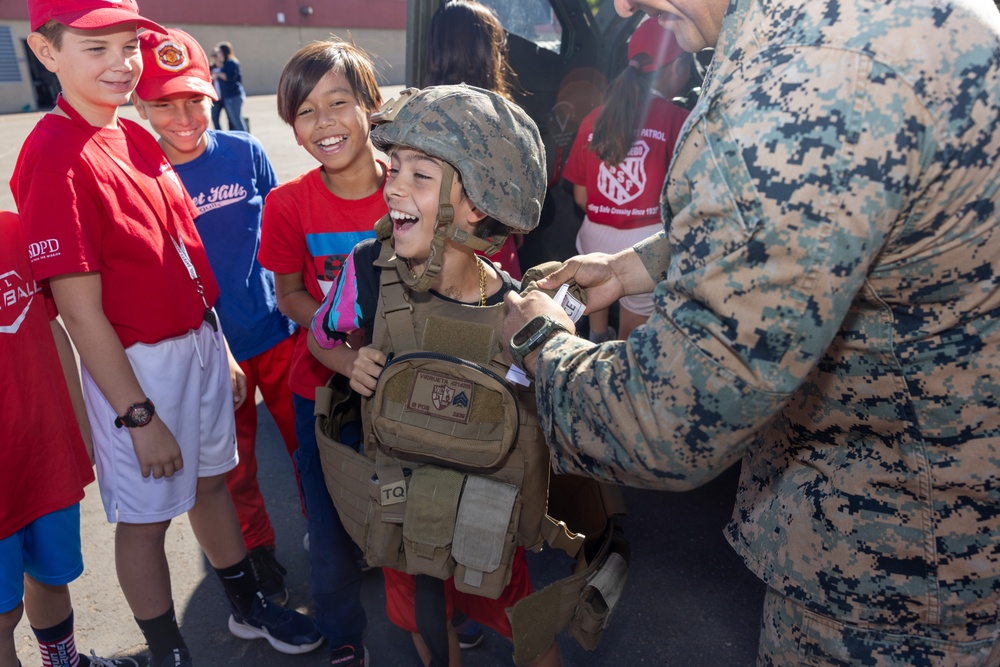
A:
[482,281]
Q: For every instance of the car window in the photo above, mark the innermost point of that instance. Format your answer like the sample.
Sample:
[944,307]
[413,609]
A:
[532,20]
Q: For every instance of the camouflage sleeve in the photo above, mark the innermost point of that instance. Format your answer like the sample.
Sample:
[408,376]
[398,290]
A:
[788,179]
[655,255]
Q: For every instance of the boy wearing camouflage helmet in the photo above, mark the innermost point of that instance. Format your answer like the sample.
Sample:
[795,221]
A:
[467,169]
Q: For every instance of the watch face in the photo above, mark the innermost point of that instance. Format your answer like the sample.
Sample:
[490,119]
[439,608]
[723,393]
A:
[140,415]
[524,334]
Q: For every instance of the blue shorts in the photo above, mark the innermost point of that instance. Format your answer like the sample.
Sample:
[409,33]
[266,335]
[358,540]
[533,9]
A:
[47,549]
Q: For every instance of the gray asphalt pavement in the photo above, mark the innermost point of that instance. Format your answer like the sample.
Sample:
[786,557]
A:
[689,601]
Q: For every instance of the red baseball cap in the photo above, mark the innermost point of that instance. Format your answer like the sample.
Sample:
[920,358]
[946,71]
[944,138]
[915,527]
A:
[656,42]
[173,62]
[87,14]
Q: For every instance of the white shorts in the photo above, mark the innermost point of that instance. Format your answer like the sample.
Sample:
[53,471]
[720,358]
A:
[595,237]
[187,378]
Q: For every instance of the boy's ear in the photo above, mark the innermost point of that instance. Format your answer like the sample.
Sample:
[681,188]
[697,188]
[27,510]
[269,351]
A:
[475,216]
[43,50]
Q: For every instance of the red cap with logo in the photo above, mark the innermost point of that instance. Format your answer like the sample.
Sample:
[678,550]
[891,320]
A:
[656,42]
[87,14]
[172,63]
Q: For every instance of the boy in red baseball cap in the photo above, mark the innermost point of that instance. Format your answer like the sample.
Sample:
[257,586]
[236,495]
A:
[228,176]
[88,14]
[130,276]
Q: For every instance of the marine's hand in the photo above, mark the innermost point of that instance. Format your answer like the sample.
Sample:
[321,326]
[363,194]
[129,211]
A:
[365,370]
[157,450]
[520,309]
[606,278]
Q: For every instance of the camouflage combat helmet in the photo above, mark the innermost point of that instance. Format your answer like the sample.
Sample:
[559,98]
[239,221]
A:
[492,144]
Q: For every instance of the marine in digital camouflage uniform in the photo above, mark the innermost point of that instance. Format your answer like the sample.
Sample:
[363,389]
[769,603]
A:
[827,309]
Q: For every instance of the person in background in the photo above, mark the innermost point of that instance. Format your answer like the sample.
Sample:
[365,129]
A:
[466,43]
[215,58]
[230,78]
[827,309]
[228,177]
[620,157]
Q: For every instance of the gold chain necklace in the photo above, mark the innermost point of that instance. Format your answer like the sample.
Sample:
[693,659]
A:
[482,281]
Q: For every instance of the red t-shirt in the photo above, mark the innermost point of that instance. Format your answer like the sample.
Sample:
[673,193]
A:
[82,212]
[627,196]
[45,464]
[307,228]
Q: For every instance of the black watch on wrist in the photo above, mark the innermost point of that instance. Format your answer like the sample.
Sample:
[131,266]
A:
[532,336]
[138,414]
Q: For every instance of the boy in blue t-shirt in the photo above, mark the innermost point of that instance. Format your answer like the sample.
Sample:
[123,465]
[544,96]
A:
[228,176]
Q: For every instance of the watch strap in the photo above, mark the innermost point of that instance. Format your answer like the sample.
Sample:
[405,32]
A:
[549,328]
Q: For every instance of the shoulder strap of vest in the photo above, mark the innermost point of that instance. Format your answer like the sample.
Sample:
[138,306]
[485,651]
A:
[396,310]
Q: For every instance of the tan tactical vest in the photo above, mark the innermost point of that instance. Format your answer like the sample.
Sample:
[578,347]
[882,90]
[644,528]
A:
[455,470]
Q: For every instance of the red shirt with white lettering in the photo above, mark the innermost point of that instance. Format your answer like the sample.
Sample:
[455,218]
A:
[45,464]
[83,212]
[627,196]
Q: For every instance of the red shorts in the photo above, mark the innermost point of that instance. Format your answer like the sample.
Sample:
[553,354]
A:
[399,598]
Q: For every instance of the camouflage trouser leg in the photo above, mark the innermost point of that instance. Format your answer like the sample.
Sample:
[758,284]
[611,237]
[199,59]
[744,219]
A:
[793,636]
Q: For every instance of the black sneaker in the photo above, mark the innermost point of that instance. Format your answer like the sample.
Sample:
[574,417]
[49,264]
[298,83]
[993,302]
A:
[286,630]
[270,574]
[179,657]
[348,656]
[94,660]
[470,634]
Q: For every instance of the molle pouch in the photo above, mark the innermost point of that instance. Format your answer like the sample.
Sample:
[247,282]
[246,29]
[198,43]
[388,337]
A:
[432,503]
[602,590]
[485,531]
[386,512]
[436,408]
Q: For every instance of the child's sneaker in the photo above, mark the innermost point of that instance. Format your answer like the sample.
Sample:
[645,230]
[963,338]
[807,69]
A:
[270,574]
[470,634]
[286,630]
[179,657]
[348,656]
[94,660]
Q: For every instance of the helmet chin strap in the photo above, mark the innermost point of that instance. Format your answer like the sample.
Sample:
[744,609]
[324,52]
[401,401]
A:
[445,220]
[444,229]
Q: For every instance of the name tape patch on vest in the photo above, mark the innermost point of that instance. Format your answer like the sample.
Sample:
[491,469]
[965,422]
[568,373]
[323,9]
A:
[441,396]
